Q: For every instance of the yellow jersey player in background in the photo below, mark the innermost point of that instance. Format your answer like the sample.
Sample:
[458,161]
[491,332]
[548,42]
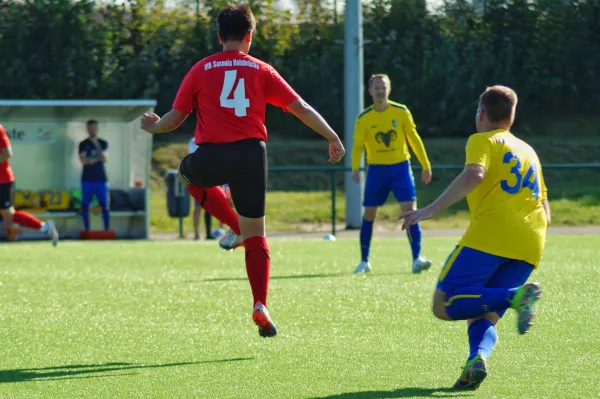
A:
[385,130]
[486,273]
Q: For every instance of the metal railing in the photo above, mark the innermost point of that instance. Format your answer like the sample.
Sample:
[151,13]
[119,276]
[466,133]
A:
[334,170]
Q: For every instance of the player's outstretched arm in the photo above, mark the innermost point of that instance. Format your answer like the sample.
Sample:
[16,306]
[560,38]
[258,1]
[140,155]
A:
[464,183]
[154,124]
[311,118]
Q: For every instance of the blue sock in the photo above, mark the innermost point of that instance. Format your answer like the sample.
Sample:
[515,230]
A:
[482,338]
[469,302]
[105,217]
[414,237]
[366,232]
[85,213]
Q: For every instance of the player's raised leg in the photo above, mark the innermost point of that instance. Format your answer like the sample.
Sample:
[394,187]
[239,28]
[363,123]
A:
[463,293]
[464,303]
[29,221]
[215,202]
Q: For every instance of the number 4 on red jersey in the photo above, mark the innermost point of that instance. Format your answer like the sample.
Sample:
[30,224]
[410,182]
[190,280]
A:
[230,91]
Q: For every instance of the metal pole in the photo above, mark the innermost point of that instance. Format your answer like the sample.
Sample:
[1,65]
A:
[353,104]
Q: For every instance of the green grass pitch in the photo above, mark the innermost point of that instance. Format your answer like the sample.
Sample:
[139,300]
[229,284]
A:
[172,320]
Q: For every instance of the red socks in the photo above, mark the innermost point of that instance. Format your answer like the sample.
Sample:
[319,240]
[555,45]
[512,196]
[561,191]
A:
[27,220]
[215,202]
[258,267]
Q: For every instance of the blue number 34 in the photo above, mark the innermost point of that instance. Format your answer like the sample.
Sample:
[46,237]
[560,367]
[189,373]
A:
[530,181]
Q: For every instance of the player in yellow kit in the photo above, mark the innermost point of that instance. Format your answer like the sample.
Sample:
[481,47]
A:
[385,130]
[486,273]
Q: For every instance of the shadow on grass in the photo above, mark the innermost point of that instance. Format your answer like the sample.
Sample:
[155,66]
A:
[81,370]
[400,393]
[292,277]
[296,276]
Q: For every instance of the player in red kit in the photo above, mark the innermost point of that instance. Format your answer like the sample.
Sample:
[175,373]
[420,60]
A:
[230,91]
[7,186]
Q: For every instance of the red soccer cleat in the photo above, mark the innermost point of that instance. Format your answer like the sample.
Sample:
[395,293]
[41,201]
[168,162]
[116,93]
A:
[266,328]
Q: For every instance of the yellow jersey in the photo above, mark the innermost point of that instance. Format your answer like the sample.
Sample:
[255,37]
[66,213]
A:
[385,135]
[507,215]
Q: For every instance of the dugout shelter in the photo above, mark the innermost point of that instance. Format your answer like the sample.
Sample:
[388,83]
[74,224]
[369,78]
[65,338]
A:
[45,135]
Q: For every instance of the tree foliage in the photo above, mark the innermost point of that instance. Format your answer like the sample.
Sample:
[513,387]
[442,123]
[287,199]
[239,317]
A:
[439,62]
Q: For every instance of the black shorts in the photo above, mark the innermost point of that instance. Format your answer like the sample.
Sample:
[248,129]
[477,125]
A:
[6,195]
[242,165]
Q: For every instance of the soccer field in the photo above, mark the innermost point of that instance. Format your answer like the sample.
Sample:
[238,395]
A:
[172,320]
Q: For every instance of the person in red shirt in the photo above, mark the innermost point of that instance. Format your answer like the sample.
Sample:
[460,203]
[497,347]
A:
[7,186]
[230,91]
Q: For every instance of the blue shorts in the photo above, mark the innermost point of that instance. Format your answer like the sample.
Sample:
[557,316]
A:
[91,189]
[381,179]
[468,267]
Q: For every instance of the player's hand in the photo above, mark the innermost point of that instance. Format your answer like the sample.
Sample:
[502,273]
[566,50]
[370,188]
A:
[356,176]
[426,176]
[336,151]
[148,122]
[414,217]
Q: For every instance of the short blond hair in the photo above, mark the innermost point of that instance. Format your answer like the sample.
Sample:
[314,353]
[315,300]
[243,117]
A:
[498,102]
[381,76]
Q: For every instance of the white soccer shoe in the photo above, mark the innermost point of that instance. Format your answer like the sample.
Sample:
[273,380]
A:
[420,264]
[230,241]
[218,233]
[52,232]
[363,267]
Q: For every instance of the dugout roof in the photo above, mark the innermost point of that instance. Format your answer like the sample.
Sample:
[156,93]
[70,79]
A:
[74,110]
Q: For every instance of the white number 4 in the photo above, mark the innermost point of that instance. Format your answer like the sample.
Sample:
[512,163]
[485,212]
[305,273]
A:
[239,102]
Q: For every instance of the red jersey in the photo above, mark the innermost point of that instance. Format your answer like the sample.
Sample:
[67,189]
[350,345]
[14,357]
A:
[6,173]
[230,91]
